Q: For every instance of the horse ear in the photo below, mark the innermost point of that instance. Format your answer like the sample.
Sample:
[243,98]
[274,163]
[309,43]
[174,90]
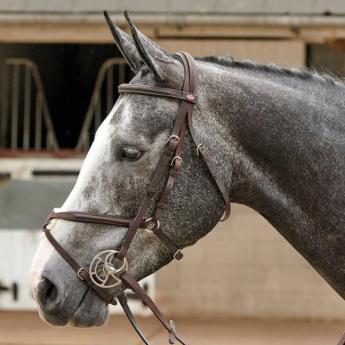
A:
[162,64]
[125,44]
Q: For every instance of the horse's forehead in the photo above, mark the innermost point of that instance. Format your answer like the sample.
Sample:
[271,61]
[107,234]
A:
[141,114]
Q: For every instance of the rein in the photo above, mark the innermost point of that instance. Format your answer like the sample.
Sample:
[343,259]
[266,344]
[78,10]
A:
[109,268]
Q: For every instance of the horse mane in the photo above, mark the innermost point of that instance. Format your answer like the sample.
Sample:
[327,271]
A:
[305,74]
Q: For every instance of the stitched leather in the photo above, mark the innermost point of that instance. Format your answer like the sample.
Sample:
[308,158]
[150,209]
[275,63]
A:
[154,91]
[91,218]
[132,284]
[168,168]
[342,340]
[83,273]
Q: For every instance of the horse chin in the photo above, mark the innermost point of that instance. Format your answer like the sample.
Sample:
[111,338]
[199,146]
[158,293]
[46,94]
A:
[91,312]
[53,320]
[84,317]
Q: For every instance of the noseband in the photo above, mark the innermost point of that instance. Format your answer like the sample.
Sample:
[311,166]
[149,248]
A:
[109,268]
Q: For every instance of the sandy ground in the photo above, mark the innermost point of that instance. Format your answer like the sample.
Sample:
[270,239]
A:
[19,328]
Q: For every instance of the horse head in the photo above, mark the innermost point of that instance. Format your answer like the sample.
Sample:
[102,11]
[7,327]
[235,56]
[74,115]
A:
[114,179]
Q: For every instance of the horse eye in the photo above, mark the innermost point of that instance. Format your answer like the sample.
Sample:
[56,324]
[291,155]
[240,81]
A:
[130,153]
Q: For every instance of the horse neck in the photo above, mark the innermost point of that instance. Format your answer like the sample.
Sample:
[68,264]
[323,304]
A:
[278,136]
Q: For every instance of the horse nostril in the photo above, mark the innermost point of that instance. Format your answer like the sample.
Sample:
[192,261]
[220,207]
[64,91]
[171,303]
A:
[46,292]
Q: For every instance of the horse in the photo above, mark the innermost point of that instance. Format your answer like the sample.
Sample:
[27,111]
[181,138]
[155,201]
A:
[276,138]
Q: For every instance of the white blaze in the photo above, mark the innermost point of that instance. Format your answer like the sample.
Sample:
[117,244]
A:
[90,164]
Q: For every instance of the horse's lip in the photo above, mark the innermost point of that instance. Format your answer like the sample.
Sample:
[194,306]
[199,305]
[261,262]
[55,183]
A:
[80,303]
[75,319]
[78,317]
[55,320]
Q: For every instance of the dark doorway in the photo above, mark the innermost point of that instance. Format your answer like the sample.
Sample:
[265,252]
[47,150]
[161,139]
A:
[68,73]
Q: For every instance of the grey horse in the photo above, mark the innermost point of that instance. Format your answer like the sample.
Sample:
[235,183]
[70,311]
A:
[276,136]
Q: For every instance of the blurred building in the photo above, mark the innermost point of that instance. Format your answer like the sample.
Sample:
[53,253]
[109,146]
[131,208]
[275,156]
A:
[59,69]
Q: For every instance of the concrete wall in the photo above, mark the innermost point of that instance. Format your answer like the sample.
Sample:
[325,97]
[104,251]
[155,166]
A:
[287,53]
[253,272]
[27,196]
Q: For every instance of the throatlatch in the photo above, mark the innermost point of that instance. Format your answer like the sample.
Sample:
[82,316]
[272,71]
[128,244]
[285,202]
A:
[109,268]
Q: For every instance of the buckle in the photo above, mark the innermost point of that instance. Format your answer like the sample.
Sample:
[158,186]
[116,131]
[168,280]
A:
[79,273]
[198,149]
[175,137]
[224,217]
[172,332]
[190,97]
[174,159]
[155,224]
[178,255]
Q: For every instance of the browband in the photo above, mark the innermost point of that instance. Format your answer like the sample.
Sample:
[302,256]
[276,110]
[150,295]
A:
[157,91]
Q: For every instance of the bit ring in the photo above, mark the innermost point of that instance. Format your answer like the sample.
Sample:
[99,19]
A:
[103,272]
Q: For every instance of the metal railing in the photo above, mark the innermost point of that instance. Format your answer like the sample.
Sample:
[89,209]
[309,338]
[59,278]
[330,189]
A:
[103,96]
[25,121]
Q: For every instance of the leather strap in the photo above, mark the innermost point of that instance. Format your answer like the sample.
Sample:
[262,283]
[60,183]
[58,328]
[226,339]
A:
[124,304]
[185,107]
[211,168]
[170,162]
[175,167]
[174,250]
[82,273]
[84,217]
[342,340]
[157,91]
[187,60]
[153,188]
[132,284]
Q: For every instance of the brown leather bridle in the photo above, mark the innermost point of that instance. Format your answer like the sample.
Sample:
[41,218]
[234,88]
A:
[102,268]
